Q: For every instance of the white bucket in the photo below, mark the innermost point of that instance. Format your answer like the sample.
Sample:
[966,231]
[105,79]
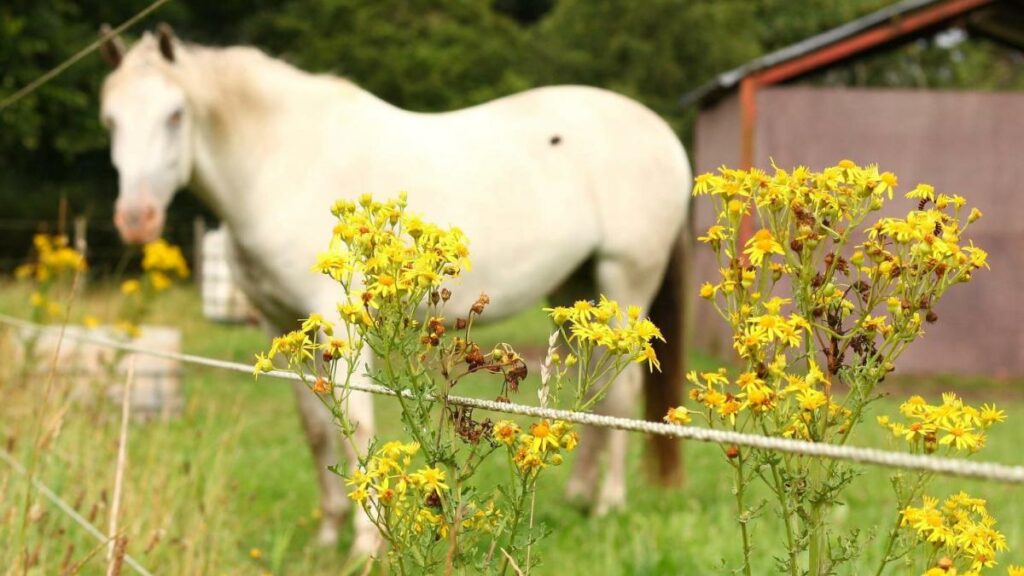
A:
[223,301]
[90,370]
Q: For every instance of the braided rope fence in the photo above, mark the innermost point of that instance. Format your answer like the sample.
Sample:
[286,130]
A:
[989,471]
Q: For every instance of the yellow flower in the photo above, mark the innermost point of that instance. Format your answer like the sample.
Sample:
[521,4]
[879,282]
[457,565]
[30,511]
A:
[810,399]
[716,233]
[923,192]
[255,553]
[678,415]
[506,432]
[990,415]
[542,437]
[263,364]
[648,355]
[762,244]
[159,281]
[429,479]
[129,287]
[359,495]
[159,256]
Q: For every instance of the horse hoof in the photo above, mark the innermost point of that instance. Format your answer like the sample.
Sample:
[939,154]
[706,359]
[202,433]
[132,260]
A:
[606,506]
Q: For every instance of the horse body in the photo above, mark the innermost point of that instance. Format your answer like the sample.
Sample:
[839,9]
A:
[540,182]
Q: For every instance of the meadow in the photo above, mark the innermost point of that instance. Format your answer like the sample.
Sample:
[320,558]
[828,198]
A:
[228,487]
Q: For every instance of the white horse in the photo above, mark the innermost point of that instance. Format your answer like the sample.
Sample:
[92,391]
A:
[544,183]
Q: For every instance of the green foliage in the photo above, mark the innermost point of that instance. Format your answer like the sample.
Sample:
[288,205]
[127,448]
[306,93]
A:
[427,55]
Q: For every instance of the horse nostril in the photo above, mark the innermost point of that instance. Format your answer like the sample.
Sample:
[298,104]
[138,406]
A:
[149,215]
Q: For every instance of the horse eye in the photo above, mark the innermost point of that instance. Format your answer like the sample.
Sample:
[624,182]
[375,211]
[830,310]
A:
[174,120]
[108,122]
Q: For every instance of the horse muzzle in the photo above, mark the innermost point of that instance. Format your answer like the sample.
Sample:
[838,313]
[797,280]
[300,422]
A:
[139,224]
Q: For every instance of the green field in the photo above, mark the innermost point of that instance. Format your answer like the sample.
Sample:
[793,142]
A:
[228,488]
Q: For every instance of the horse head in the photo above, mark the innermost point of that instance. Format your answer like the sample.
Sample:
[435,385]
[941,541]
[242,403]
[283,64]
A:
[145,109]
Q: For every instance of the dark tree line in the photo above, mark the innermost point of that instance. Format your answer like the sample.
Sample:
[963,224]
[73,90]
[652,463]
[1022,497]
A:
[419,54]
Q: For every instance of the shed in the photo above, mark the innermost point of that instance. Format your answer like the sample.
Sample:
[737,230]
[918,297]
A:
[963,142]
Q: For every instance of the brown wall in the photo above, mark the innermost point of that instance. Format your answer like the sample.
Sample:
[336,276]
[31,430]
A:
[716,142]
[961,142]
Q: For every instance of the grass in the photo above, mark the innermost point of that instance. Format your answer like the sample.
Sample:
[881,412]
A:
[228,488]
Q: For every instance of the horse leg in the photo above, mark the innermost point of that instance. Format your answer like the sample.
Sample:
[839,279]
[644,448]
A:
[582,484]
[629,282]
[318,423]
[367,538]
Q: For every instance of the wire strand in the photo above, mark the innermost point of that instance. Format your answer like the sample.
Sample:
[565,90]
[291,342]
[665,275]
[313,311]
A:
[990,471]
[67,509]
[63,66]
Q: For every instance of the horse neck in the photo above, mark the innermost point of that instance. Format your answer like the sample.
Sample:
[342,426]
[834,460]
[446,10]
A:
[248,109]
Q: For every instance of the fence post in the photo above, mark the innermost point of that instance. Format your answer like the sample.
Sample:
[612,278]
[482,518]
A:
[198,233]
[81,243]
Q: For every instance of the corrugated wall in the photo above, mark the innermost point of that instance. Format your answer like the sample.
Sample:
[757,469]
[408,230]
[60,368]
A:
[966,143]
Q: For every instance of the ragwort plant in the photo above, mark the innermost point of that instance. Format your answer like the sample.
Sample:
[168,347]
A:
[162,266]
[51,272]
[821,304]
[420,492]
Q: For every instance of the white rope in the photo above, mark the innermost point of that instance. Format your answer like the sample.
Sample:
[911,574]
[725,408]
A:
[67,509]
[947,466]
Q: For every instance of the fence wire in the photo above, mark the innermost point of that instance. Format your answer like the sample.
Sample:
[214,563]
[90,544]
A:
[69,510]
[990,471]
[60,68]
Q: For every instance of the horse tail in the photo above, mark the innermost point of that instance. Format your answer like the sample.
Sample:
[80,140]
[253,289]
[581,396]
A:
[664,388]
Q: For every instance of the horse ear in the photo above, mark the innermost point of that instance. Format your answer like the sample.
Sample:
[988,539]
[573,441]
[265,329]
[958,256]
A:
[166,40]
[112,47]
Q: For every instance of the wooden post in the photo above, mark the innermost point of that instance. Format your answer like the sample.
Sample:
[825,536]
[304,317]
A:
[62,215]
[80,242]
[198,233]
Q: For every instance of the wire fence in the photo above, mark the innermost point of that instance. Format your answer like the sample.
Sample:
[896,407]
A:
[989,471]
[69,510]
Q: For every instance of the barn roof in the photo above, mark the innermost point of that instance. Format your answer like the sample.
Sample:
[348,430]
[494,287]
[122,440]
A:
[1000,20]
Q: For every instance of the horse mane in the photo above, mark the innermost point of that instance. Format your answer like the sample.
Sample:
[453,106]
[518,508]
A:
[226,83]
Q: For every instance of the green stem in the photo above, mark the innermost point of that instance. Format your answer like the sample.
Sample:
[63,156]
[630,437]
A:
[787,518]
[742,514]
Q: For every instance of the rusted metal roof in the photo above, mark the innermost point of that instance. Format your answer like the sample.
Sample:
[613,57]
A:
[1000,20]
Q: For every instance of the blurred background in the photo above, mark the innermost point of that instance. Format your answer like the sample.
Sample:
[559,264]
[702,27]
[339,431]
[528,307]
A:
[426,55]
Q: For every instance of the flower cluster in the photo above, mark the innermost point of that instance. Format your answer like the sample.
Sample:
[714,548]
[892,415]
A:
[162,265]
[302,348]
[801,406]
[602,324]
[600,340]
[961,529]
[409,505]
[821,304]
[162,262]
[55,263]
[391,267]
[541,448]
[952,423]
[398,257]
